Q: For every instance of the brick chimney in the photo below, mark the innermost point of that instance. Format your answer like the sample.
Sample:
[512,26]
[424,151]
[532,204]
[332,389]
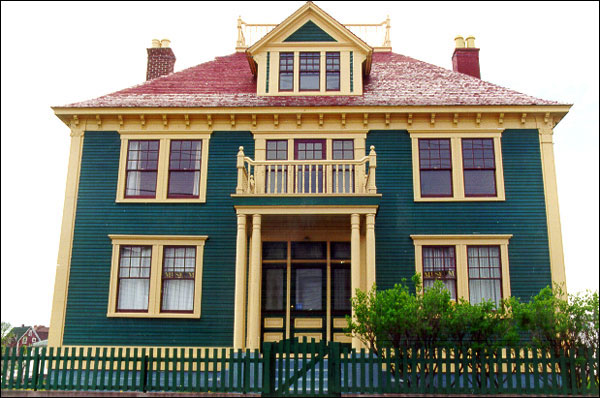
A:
[466,59]
[161,59]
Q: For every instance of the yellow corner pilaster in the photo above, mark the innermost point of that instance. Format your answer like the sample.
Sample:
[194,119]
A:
[557,261]
[239,326]
[61,283]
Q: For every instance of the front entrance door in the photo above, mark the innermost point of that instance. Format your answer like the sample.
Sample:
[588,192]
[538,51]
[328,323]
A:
[305,290]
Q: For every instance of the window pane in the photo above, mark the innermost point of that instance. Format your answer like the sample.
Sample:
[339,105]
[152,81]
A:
[436,183]
[340,250]
[274,250]
[333,81]
[133,294]
[309,289]
[184,184]
[480,183]
[309,250]
[286,81]
[178,295]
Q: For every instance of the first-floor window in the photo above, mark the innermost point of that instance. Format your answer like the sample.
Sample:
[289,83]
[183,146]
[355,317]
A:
[178,276]
[485,275]
[156,276]
[439,263]
[134,278]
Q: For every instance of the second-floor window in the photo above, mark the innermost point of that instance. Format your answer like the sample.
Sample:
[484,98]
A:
[286,71]
[184,169]
[435,163]
[310,70]
[479,167]
[332,76]
[142,169]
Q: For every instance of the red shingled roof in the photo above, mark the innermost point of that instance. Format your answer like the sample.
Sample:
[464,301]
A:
[395,80]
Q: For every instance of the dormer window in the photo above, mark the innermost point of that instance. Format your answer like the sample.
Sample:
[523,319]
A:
[310,70]
[286,71]
[332,76]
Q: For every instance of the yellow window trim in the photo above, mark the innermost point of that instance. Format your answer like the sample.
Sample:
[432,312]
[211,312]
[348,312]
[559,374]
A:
[460,242]
[162,179]
[157,242]
[458,184]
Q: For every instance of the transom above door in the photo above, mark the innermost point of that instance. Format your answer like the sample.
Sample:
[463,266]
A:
[305,290]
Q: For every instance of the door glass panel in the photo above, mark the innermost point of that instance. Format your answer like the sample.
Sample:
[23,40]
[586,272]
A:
[274,250]
[340,289]
[309,289]
[309,250]
[274,289]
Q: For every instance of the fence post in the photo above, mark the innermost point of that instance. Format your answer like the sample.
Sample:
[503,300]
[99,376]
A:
[334,368]
[35,370]
[267,366]
[144,370]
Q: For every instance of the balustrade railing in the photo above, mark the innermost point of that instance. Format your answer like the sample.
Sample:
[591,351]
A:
[279,177]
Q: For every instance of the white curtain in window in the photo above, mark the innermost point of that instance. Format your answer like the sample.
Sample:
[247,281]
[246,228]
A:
[178,295]
[133,294]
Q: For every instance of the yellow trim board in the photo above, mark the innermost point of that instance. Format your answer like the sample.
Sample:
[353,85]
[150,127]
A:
[154,301]
[460,242]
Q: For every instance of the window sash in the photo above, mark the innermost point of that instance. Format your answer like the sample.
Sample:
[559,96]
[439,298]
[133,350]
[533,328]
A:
[141,168]
[286,71]
[485,273]
[479,167]
[178,279]
[332,71]
[439,263]
[310,71]
[435,167]
[135,264]
[185,161]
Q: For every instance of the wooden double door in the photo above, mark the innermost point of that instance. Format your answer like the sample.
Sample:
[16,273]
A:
[305,290]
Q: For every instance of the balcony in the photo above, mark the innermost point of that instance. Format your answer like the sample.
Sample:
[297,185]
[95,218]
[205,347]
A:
[306,177]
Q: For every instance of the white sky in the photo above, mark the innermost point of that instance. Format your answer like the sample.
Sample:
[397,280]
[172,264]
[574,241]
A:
[59,53]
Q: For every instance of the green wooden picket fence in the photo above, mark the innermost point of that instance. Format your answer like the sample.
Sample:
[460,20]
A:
[298,368]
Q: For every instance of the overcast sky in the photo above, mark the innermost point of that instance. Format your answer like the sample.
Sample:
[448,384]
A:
[59,53]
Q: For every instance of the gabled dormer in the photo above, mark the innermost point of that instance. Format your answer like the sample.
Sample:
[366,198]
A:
[309,54]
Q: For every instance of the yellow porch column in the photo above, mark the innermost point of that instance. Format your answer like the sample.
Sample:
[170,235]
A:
[355,262]
[253,340]
[370,251]
[239,326]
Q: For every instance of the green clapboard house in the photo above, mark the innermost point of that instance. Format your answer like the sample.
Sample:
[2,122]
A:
[245,199]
